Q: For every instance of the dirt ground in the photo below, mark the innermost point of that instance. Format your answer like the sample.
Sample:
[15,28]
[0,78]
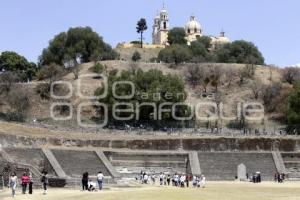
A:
[213,191]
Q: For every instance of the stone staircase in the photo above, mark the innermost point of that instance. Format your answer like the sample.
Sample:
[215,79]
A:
[75,163]
[223,165]
[130,164]
[20,167]
[292,164]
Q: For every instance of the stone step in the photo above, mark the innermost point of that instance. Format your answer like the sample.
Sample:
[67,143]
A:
[148,158]
[150,163]
[293,162]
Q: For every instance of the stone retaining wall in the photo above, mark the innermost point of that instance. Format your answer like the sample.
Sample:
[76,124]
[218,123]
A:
[196,144]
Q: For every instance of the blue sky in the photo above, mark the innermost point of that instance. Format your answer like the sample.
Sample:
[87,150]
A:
[273,25]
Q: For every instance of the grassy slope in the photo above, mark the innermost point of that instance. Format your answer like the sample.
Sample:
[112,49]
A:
[230,95]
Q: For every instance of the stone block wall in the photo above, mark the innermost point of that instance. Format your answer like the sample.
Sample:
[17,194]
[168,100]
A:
[223,165]
[75,163]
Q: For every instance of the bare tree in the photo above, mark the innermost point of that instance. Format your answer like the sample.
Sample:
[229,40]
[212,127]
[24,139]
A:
[248,71]
[134,66]
[51,72]
[7,79]
[18,100]
[198,75]
[291,74]
[205,80]
[256,88]
[194,75]
[269,95]
[230,74]
[242,74]
[215,77]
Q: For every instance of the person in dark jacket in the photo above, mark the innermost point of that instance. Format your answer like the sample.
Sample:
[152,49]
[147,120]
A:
[30,182]
[85,180]
[45,181]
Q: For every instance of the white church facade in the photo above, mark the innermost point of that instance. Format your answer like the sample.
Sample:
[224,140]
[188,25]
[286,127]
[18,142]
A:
[193,30]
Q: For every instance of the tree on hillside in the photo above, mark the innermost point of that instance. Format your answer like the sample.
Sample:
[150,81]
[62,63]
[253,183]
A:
[291,74]
[230,75]
[13,62]
[175,54]
[240,52]
[141,27]
[215,77]
[19,102]
[147,85]
[198,75]
[205,40]
[246,72]
[136,56]
[256,88]
[194,75]
[198,49]
[293,111]
[275,98]
[177,36]
[82,41]
[52,72]
[7,80]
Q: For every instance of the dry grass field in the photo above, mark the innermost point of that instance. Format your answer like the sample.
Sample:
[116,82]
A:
[213,191]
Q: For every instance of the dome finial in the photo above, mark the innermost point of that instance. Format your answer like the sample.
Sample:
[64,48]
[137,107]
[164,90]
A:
[193,17]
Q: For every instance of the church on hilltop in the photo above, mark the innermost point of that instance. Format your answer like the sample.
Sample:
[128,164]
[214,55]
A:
[193,30]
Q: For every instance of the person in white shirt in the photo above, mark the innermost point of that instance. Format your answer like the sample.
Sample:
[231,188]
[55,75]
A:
[161,178]
[195,181]
[153,179]
[176,180]
[182,180]
[100,177]
[203,181]
[165,179]
[13,180]
[146,177]
[91,186]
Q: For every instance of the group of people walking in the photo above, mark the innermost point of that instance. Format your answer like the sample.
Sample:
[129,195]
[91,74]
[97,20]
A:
[26,181]
[176,180]
[279,177]
[89,185]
